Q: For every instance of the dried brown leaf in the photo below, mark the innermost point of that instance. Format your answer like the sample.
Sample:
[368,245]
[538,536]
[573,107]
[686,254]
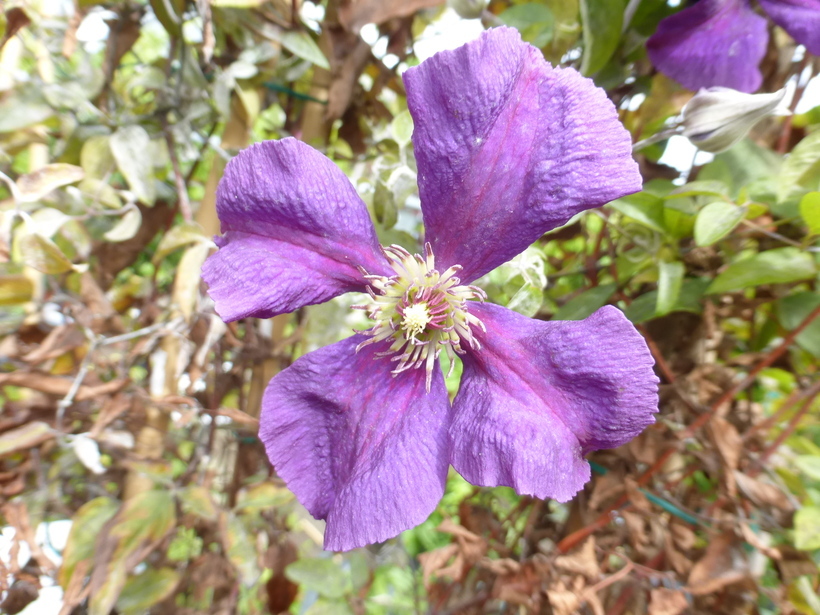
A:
[16,19]
[58,386]
[664,601]
[721,565]
[59,340]
[562,600]
[583,561]
[25,437]
[763,493]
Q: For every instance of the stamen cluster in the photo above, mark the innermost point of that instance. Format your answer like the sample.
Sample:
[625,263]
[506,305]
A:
[420,311]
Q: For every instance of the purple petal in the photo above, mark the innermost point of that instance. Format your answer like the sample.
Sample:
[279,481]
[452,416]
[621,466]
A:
[508,148]
[364,450]
[712,43]
[800,18]
[295,232]
[539,395]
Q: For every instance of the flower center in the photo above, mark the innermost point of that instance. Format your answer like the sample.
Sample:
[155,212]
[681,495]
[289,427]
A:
[415,320]
[420,311]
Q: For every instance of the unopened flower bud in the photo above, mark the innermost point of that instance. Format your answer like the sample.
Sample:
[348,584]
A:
[468,9]
[717,118]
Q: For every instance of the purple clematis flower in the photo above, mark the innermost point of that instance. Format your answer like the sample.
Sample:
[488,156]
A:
[363,431]
[721,42]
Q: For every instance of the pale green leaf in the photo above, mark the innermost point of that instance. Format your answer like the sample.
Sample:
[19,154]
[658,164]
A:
[321,575]
[778,266]
[23,107]
[131,147]
[402,128]
[180,235]
[810,212]
[807,528]
[809,465]
[799,166]
[300,44]
[126,227]
[37,184]
[715,221]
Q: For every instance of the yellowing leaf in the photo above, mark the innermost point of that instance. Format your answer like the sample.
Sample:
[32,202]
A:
[44,255]
[34,186]
[87,523]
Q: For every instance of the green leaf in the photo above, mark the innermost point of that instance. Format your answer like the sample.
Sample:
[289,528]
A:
[669,286]
[715,221]
[809,465]
[793,310]
[329,607]
[586,303]
[131,147]
[37,184]
[144,590]
[799,166]
[810,212]
[689,300]
[23,107]
[644,208]
[302,45]
[779,266]
[807,528]
[738,167]
[534,20]
[321,575]
[603,20]
[86,525]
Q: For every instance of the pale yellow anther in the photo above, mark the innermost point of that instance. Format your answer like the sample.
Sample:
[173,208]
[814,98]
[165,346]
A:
[415,319]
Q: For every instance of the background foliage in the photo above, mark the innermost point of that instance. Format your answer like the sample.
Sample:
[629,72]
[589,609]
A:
[129,408]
